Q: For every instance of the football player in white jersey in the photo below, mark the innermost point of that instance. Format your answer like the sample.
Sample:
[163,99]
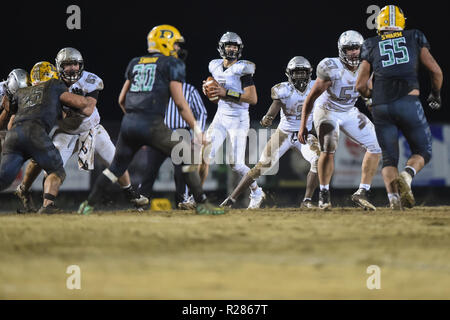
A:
[236,92]
[76,133]
[17,78]
[333,97]
[288,98]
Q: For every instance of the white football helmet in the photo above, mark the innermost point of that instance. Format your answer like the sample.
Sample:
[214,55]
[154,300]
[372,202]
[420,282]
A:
[66,56]
[230,38]
[299,72]
[350,40]
[18,78]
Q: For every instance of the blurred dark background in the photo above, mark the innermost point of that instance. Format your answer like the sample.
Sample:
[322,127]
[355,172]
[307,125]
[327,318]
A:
[273,32]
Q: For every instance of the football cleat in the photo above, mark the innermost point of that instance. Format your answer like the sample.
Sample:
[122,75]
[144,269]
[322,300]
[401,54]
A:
[228,202]
[361,199]
[324,199]
[135,198]
[395,204]
[256,198]
[188,204]
[85,208]
[404,188]
[50,209]
[307,204]
[25,198]
[207,208]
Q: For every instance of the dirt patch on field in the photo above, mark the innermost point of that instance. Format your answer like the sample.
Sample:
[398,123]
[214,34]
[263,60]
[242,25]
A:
[264,254]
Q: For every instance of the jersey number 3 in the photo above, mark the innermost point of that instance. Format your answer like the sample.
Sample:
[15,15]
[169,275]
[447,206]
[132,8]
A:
[144,77]
[392,46]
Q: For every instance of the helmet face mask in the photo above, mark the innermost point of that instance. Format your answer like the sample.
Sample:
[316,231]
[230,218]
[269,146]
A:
[299,72]
[350,41]
[69,56]
[230,46]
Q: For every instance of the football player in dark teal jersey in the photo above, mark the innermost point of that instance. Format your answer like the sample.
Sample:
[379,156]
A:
[394,57]
[149,82]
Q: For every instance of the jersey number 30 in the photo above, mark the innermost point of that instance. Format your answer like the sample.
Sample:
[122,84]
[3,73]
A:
[390,47]
[144,77]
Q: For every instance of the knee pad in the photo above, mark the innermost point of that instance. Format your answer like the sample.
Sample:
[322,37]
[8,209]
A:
[389,161]
[328,136]
[313,167]
[426,156]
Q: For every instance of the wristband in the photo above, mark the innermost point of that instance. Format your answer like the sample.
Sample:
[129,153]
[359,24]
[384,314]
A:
[234,95]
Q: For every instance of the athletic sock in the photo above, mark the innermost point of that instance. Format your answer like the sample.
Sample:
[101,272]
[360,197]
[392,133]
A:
[324,187]
[364,186]
[393,195]
[411,171]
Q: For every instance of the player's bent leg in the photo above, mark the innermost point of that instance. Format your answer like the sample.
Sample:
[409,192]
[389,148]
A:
[311,153]
[105,150]
[51,189]
[368,170]
[417,132]
[23,192]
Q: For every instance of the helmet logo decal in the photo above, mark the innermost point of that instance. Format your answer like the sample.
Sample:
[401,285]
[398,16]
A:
[168,34]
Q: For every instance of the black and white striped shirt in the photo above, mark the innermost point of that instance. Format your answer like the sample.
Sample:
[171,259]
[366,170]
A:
[173,118]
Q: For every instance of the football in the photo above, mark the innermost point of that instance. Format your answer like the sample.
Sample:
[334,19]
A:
[210,83]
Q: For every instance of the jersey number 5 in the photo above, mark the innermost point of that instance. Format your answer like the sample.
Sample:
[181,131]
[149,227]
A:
[390,47]
[144,77]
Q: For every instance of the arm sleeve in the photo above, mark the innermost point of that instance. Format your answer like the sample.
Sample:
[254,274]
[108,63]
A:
[94,94]
[365,52]
[198,108]
[177,70]
[421,39]
[247,81]
[128,75]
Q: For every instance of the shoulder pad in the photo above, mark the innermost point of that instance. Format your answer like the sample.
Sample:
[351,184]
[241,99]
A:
[214,64]
[89,82]
[244,67]
[327,69]
[281,91]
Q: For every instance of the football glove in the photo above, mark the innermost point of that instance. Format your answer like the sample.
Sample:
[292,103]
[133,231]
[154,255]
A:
[266,121]
[434,101]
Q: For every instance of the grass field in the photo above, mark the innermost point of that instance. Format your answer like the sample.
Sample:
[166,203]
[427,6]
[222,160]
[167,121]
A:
[264,254]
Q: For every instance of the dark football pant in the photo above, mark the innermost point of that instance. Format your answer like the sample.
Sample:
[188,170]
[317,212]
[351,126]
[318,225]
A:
[135,132]
[155,159]
[404,114]
[25,141]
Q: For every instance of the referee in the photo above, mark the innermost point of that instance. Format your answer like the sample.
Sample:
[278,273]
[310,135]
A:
[155,158]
